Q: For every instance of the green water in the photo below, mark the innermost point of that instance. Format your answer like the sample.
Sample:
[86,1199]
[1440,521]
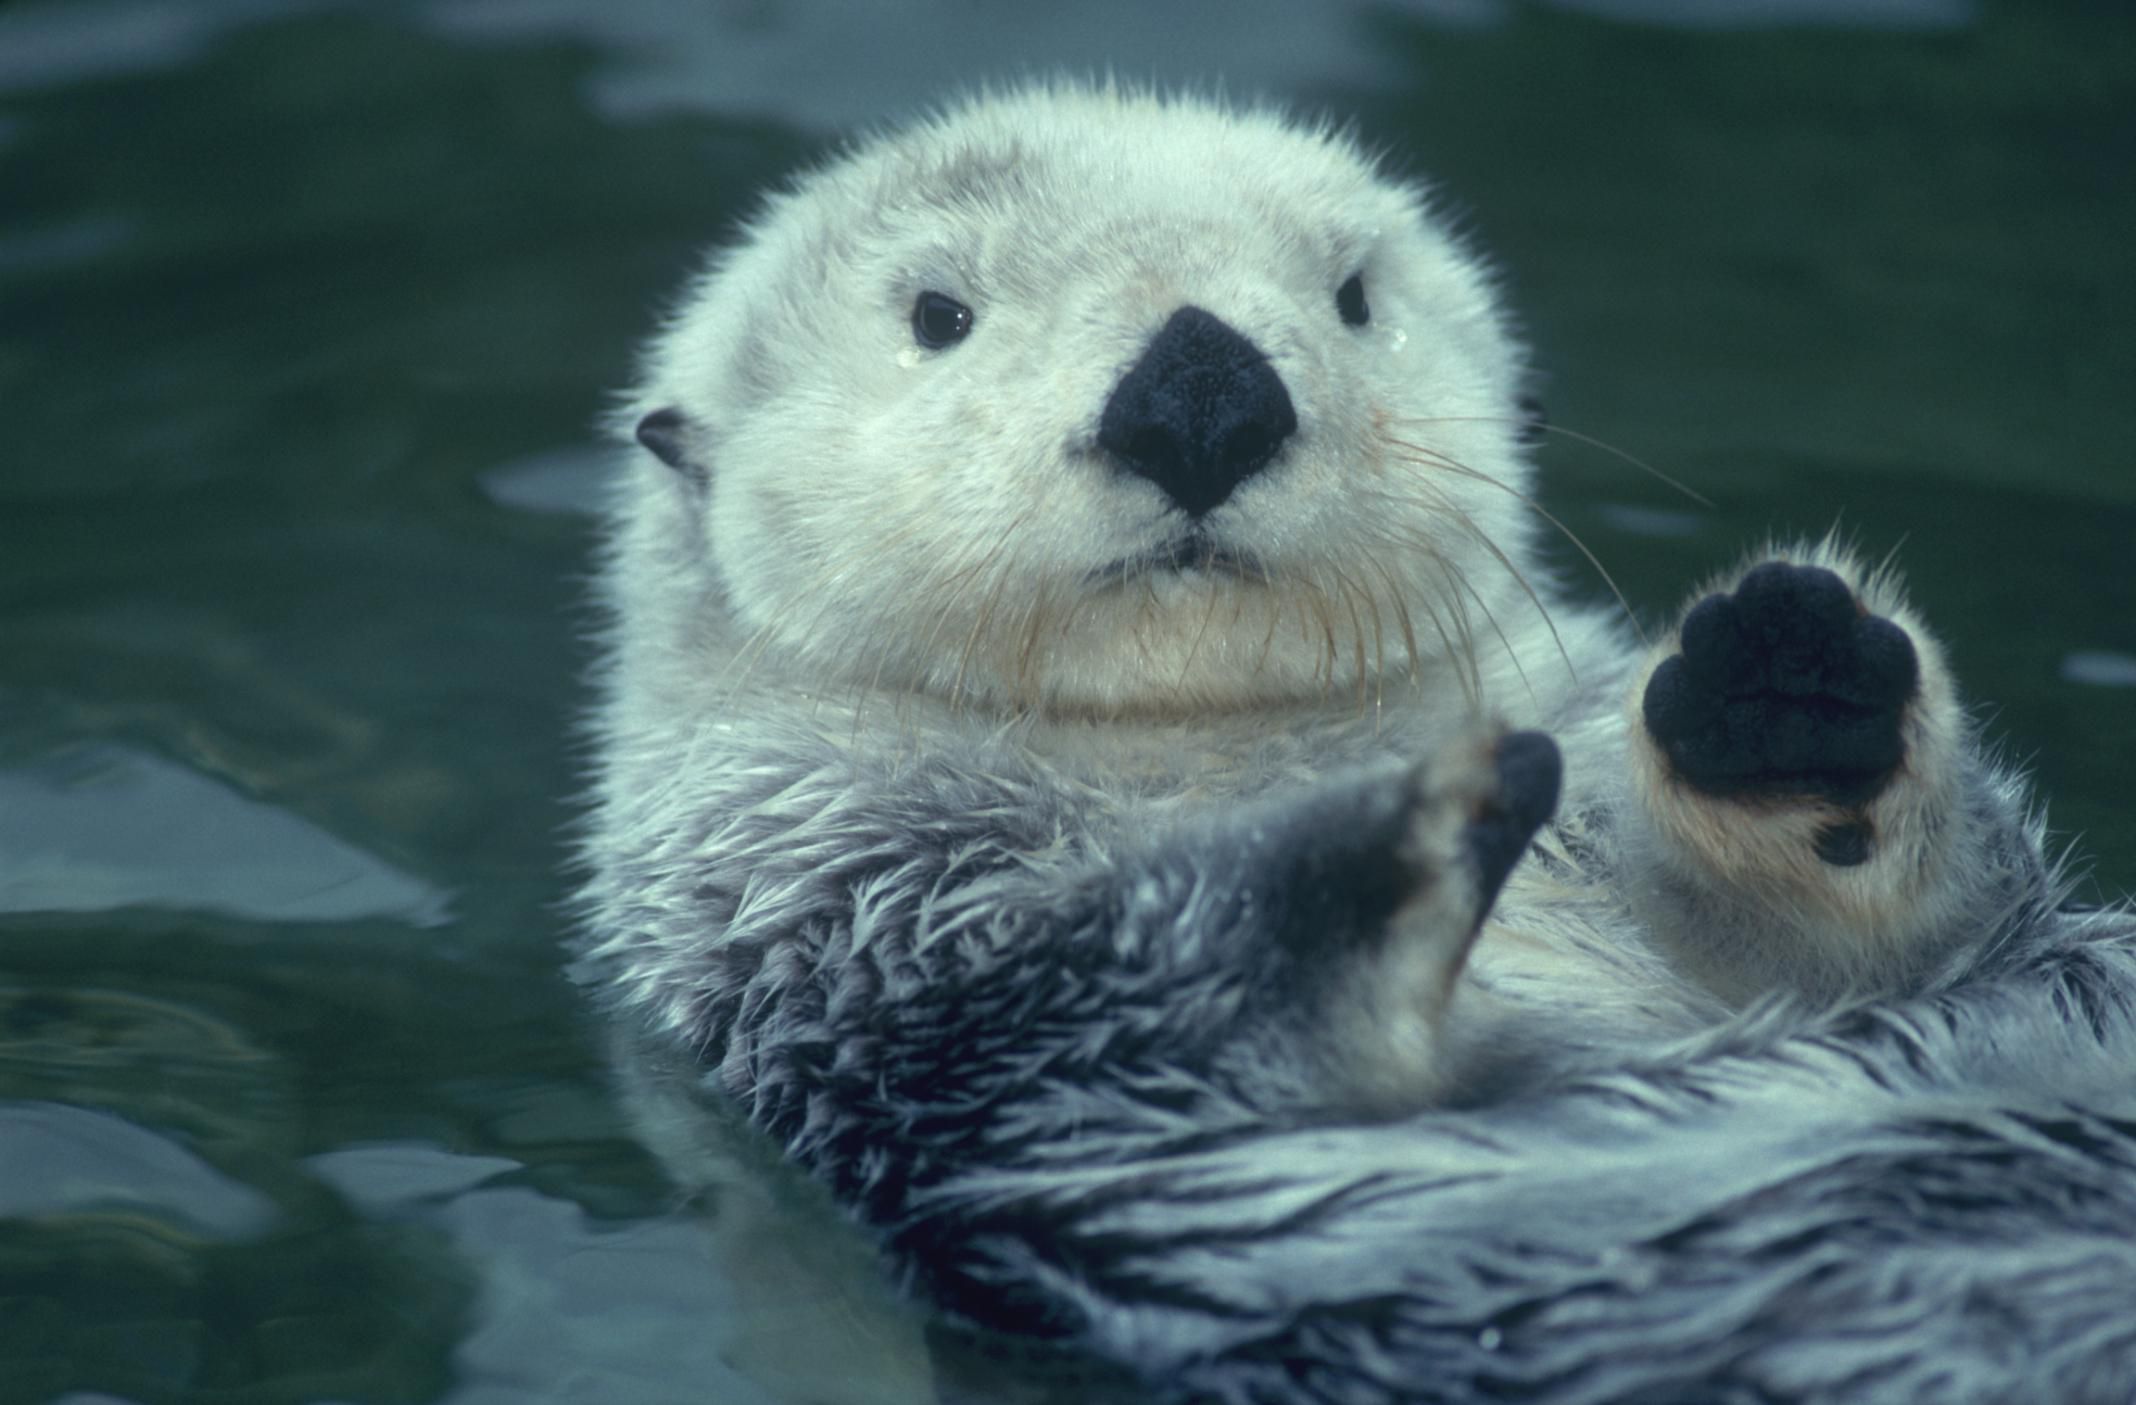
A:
[302,324]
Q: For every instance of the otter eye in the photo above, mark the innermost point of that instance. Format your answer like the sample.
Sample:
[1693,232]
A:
[939,319]
[1350,301]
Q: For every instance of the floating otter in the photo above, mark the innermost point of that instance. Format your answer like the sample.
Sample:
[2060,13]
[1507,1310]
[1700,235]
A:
[1091,766]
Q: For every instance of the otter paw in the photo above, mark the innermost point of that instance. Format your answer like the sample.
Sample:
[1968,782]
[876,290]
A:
[1787,687]
[1527,771]
[1448,832]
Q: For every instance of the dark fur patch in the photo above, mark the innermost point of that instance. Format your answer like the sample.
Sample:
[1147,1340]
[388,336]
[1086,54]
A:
[1529,773]
[1785,687]
[1534,420]
[1845,845]
[666,433]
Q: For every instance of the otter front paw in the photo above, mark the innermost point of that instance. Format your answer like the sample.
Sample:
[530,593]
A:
[1443,833]
[1800,767]
[1374,887]
[1788,687]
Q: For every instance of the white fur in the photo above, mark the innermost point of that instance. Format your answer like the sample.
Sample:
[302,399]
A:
[903,518]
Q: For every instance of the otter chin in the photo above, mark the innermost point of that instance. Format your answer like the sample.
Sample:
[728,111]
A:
[1092,768]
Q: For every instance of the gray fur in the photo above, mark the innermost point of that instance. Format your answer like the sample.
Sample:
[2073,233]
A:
[1049,1086]
[1923,1202]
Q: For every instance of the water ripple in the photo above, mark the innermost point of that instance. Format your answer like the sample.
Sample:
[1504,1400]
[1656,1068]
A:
[63,1160]
[101,826]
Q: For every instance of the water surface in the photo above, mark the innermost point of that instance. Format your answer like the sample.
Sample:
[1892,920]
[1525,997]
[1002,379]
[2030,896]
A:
[305,311]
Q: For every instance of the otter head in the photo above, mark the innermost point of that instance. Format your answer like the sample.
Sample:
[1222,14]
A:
[1098,402]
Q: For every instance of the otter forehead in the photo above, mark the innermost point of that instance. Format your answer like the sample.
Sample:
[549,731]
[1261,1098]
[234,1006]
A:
[1058,148]
[1032,198]
[1068,209]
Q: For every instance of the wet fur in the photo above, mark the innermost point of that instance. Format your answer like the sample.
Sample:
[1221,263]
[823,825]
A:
[1105,936]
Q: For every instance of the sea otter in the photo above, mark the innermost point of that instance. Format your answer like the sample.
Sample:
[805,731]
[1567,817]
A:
[1092,766]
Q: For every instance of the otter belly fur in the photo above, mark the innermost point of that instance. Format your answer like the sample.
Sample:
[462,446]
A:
[1091,768]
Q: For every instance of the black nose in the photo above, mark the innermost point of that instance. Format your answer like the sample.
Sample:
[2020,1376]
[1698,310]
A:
[1199,414]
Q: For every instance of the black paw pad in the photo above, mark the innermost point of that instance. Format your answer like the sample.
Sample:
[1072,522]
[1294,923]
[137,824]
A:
[1785,687]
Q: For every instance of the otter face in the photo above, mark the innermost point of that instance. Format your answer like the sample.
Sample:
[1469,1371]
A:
[1102,403]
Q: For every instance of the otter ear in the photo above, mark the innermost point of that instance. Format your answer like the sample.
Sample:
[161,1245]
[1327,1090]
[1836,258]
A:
[666,432]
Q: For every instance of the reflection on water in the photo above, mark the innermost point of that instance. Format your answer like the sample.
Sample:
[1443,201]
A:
[574,480]
[71,1162]
[2102,668]
[565,1308]
[1635,520]
[48,42]
[306,314]
[44,249]
[99,827]
[1736,14]
[792,60]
